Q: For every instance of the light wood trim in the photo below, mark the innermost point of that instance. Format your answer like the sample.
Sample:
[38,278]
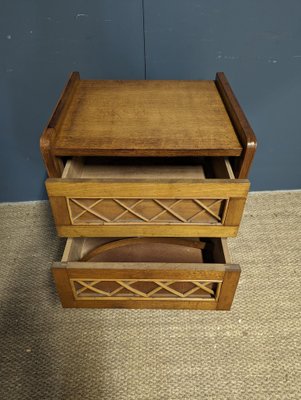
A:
[128,242]
[224,214]
[229,168]
[218,291]
[146,230]
[245,133]
[69,244]
[97,214]
[73,249]
[225,251]
[171,211]
[208,188]
[86,283]
[131,210]
[209,211]
[104,217]
[73,168]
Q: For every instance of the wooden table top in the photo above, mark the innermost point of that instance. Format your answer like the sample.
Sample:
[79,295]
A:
[145,118]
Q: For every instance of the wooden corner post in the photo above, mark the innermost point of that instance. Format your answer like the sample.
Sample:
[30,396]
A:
[229,285]
[246,136]
[53,164]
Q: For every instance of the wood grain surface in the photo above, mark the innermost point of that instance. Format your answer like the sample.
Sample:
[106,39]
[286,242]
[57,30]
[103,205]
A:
[145,118]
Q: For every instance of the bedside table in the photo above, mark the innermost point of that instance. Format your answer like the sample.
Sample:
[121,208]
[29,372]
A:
[147,179]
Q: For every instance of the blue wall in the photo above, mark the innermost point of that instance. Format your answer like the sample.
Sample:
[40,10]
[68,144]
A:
[256,43]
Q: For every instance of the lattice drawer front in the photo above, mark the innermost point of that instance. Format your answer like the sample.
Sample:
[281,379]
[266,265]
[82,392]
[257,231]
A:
[145,289]
[109,211]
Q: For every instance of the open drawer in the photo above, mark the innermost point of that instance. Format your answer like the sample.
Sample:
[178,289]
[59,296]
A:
[140,196]
[146,273]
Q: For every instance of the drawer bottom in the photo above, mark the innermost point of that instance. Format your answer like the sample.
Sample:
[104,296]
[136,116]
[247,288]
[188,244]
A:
[146,273]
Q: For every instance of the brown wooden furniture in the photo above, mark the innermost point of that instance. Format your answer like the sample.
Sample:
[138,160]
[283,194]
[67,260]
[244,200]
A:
[146,176]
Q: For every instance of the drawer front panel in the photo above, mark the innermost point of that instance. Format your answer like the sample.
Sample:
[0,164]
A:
[83,211]
[145,289]
[101,285]
[106,209]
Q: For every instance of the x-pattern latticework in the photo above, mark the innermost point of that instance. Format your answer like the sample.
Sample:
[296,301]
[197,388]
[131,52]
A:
[150,211]
[97,289]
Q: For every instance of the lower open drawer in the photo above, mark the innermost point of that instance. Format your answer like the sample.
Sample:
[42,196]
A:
[146,273]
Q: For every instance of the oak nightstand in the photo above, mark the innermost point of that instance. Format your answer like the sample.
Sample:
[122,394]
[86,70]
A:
[147,179]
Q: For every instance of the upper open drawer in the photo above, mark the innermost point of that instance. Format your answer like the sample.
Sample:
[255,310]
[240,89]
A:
[105,196]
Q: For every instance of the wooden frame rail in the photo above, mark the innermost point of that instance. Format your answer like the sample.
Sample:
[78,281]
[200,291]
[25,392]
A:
[242,164]
[53,164]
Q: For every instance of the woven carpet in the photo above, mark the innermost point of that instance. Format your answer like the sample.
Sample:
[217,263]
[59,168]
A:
[251,352]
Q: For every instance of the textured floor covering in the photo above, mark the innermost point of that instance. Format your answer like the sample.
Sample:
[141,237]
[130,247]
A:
[251,352]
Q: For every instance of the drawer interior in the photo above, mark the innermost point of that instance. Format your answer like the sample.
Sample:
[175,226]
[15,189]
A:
[147,250]
[148,168]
